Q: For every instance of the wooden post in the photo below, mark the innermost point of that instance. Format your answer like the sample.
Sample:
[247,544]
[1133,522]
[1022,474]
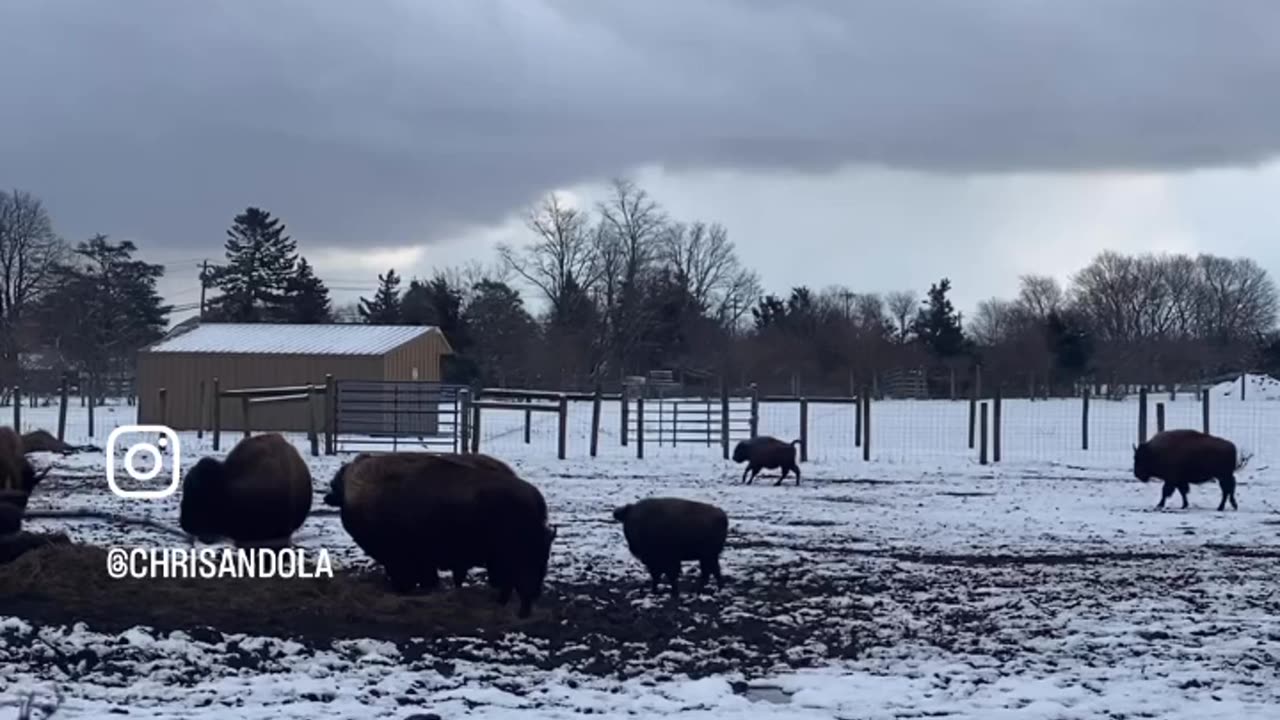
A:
[724,418]
[973,417]
[1084,419]
[866,426]
[755,410]
[164,406]
[244,411]
[804,430]
[995,426]
[595,421]
[475,424]
[331,415]
[312,434]
[640,426]
[953,383]
[1142,416]
[562,442]
[858,399]
[217,415]
[1204,410]
[463,420]
[1242,384]
[661,408]
[707,419]
[91,388]
[675,424]
[528,423]
[17,410]
[625,411]
[982,447]
[395,418]
[200,409]
[1159,417]
[63,391]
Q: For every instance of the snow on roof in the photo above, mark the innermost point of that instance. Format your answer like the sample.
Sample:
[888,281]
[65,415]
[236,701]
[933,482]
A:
[281,339]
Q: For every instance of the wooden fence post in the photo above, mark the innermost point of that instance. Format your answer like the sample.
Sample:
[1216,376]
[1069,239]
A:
[866,426]
[63,397]
[625,412]
[755,410]
[973,416]
[475,424]
[982,447]
[244,411]
[675,423]
[17,410]
[201,401]
[90,388]
[724,418]
[804,430]
[312,434]
[1242,384]
[995,426]
[1084,419]
[1159,417]
[463,420]
[164,405]
[640,426]
[217,415]
[858,399]
[331,415]
[562,442]
[595,421]
[1142,416]
[1204,410]
[528,423]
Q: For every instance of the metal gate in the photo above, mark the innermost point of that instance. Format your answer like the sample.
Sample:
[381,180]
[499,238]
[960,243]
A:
[410,413]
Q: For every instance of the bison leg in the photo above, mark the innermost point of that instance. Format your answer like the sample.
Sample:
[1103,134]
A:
[710,567]
[504,594]
[1228,485]
[459,577]
[745,470]
[1165,493]
[430,580]
[526,606]
[401,578]
[655,576]
[673,576]
[1183,488]
[755,470]
[783,476]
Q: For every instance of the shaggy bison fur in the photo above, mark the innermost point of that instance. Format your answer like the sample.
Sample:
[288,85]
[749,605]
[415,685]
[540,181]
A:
[664,532]
[415,513]
[767,453]
[44,441]
[1182,458]
[18,478]
[259,495]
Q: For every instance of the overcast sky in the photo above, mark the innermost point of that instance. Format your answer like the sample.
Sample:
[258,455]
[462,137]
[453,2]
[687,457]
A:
[878,144]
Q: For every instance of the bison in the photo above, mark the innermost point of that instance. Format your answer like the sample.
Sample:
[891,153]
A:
[259,495]
[414,513]
[770,453]
[1182,458]
[663,532]
[18,477]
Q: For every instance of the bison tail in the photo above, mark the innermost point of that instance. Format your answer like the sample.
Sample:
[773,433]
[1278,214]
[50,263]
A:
[1244,460]
[796,442]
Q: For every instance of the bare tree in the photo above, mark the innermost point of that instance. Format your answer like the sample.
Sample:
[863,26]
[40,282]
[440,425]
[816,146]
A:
[1237,299]
[30,254]
[994,322]
[1039,295]
[631,225]
[903,305]
[561,255]
[705,263]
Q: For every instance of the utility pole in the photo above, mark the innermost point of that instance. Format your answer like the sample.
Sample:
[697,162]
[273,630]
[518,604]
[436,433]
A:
[204,282]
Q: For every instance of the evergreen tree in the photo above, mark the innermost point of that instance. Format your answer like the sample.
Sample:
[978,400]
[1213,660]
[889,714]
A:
[260,264]
[384,308]
[504,333]
[417,307]
[306,297]
[937,325]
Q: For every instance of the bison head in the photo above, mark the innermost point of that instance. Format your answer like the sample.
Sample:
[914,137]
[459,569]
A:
[32,477]
[337,490]
[1143,462]
[741,451]
[620,514]
[200,513]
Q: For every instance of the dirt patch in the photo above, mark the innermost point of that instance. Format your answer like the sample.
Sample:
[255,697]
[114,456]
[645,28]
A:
[961,493]
[999,560]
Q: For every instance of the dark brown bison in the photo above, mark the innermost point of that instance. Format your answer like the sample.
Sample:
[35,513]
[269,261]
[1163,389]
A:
[1182,458]
[768,453]
[18,477]
[259,495]
[664,532]
[415,513]
[44,441]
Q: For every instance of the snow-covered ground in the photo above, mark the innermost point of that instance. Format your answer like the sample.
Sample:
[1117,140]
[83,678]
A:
[920,584]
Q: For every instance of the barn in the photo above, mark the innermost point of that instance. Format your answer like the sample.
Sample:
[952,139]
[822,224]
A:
[258,355]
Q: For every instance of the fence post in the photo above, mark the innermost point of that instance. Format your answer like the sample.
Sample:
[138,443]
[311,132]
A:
[1242,384]
[724,418]
[312,435]
[804,430]
[982,447]
[866,426]
[463,420]
[200,410]
[1142,416]
[164,406]
[1159,417]
[995,426]
[675,424]
[63,391]
[244,410]
[973,416]
[563,440]
[977,380]
[858,399]
[528,423]
[90,389]
[475,425]
[755,410]
[1204,410]
[595,421]
[640,426]
[625,408]
[707,417]
[953,383]
[331,415]
[1084,419]
[17,410]
[395,418]
[217,415]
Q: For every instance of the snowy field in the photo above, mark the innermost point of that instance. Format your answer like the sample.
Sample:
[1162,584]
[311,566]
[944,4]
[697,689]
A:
[918,585]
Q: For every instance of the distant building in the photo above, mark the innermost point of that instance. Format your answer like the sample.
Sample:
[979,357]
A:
[255,355]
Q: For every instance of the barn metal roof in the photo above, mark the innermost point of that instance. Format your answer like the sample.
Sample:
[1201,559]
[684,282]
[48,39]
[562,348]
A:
[281,339]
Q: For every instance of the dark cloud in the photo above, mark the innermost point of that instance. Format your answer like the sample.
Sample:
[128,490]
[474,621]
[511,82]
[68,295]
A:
[404,121]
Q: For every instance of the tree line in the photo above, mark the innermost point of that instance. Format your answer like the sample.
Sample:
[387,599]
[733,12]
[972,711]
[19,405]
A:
[622,288]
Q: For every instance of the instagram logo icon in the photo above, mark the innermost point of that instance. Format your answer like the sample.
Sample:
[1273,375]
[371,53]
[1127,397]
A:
[168,441]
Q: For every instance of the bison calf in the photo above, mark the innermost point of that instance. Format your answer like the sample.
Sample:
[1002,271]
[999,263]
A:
[664,532]
[259,495]
[768,453]
[1182,458]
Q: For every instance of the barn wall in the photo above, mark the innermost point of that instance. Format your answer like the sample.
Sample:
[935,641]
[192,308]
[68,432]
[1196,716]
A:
[423,354]
[180,374]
